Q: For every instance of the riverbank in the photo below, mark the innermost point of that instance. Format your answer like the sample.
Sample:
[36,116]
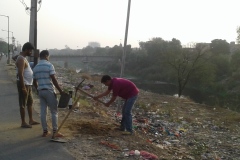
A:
[166,126]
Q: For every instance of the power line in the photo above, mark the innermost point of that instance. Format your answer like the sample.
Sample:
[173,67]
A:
[24,4]
[28,9]
[40,4]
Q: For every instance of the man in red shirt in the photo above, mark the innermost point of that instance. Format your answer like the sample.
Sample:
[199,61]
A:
[125,89]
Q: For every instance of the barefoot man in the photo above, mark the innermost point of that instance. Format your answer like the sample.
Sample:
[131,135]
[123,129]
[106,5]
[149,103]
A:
[24,85]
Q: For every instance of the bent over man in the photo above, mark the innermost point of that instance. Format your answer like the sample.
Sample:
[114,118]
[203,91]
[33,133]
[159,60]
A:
[128,91]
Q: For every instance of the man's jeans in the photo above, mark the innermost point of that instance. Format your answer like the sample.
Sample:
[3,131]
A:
[48,99]
[126,122]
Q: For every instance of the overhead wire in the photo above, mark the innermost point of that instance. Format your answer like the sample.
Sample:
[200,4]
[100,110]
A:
[40,4]
[22,1]
[27,9]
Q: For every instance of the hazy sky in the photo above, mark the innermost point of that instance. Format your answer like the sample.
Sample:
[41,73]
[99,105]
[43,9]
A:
[77,22]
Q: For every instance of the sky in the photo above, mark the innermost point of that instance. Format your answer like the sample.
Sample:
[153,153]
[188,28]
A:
[75,23]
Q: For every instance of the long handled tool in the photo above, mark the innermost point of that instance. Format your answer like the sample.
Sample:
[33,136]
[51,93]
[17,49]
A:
[91,96]
[70,110]
[118,106]
[77,88]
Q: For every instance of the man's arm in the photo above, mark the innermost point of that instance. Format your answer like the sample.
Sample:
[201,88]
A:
[111,101]
[102,94]
[21,65]
[56,83]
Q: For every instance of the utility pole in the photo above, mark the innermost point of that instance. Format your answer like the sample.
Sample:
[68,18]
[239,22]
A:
[125,40]
[33,23]
[33,30]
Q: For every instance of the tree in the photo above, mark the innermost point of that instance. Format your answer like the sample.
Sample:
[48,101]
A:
[3,46]
[235,59]
[115,51]
[67,47]
[238,35]
[220,58]
[219,46]
[153,65]
[222,66]
[101,51]
[186,63]
[88,50]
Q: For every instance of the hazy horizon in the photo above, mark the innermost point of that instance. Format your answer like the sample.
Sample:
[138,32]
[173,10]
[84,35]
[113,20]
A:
[75,23]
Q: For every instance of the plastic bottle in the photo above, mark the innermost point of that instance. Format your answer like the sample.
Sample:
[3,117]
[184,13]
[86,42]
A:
[70,100]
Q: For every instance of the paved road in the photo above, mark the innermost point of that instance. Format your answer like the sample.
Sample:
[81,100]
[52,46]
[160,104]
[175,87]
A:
[17,143]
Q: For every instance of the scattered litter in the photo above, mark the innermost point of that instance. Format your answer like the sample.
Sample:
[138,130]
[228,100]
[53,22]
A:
[148,155]
[113,146]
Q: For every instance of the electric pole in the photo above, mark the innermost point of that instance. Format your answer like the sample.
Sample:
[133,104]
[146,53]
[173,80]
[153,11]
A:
[33,30]
[125,40]
[33,23]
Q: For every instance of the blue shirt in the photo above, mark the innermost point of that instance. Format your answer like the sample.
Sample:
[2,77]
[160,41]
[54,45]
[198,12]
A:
[42,72]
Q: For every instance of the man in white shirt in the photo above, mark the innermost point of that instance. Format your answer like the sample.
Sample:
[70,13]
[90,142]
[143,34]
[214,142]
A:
[24,85]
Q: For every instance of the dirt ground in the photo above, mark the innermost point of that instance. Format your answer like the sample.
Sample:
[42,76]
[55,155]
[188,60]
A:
[91,131]
[166,127]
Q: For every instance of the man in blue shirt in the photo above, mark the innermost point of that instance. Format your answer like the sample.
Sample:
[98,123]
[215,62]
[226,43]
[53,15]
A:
[45,82]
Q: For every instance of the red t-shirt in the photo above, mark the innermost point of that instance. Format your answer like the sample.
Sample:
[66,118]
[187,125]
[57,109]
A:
[123,88]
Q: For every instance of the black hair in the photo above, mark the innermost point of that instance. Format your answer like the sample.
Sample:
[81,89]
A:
[105,78]
[27,46]
[43,54]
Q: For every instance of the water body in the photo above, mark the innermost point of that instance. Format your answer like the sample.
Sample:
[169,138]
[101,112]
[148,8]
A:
[171,89]
[160,87]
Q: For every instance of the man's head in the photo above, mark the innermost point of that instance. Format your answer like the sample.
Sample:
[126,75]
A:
[27,48]
[44,54]
[106,80]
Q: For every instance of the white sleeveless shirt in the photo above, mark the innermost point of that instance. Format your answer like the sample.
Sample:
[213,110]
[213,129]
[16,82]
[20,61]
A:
[27,73]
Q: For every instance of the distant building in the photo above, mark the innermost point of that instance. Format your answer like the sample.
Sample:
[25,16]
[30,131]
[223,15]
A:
[94,44]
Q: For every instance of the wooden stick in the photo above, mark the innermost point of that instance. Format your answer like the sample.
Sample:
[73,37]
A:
[70,110]
[91,96]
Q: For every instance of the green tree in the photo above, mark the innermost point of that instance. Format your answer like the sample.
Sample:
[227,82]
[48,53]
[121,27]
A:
[153,65]
[238,35]
[219,46]
[88,50]
[222,66]
[235,59]
[115,51]
[136,62]
[101,51]
[186,63]
[3,46]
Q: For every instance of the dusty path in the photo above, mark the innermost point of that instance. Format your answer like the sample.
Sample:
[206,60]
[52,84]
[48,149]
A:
[18,143]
